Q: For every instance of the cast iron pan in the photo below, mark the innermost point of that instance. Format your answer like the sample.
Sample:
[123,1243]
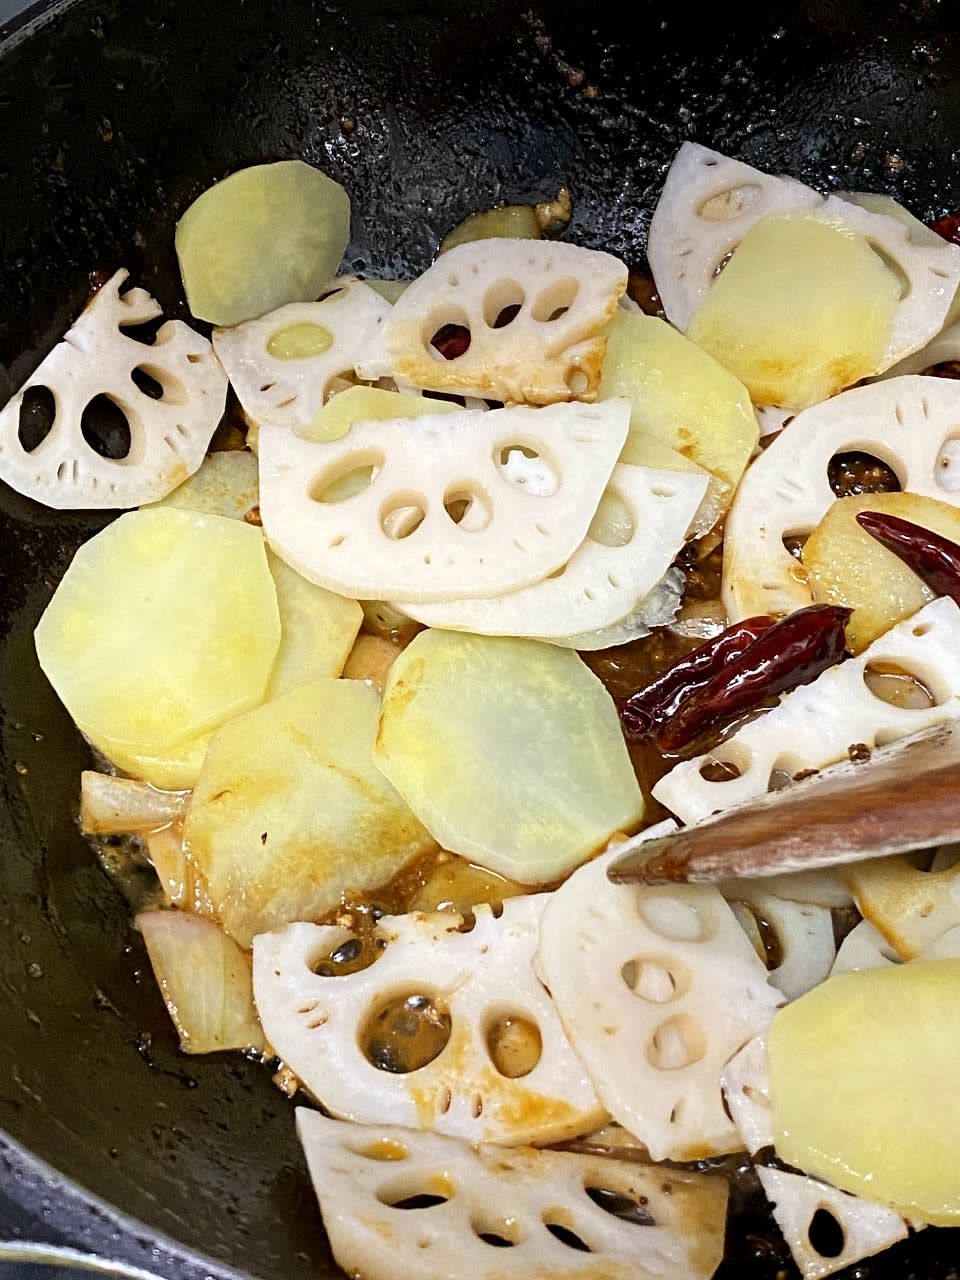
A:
[113,116]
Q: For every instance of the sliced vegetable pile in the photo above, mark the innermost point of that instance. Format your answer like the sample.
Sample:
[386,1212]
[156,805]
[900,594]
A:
[336,683]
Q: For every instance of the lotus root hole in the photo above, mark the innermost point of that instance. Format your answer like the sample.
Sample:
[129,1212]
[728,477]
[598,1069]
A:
[347,479]
[405,1032]
[626,1208]
[499,1233]
[726,205]
[825,1234]
[417,1190]
[657,980]
[468,506]
[38,411]
[555,300]
[502,303]
[898,687]
[513,1042]
[402,514]
[678,1042]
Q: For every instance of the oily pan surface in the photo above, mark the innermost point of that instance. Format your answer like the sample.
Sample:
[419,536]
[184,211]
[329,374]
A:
[114,116]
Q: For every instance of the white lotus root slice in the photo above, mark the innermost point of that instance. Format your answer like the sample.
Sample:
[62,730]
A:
[657,988]
[553,348]
[601,583]
[866,1228]
[864,947]
[320,1025]
[552,1213]
[407,536]
[168,435]
[815,725]
[289,392]
[746,1086]
[656,609]
[801,934]
[709,203]
[943,348]
[912,424]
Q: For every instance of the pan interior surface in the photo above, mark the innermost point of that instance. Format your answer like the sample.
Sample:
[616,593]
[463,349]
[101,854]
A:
[114,117]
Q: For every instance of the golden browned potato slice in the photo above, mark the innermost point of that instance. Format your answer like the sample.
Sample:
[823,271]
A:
[290,811]
[803,309]
[845,565]
[681,396]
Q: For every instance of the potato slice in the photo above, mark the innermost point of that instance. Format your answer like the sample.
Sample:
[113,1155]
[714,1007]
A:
[845,565]
[370,404]
[225,485]
[910,907]
[164,626]
[265,236]
[509,222]
[174,770]
[317,630]
[509,751]
[681,395]
[863,1071]
[803,309]
[289,810]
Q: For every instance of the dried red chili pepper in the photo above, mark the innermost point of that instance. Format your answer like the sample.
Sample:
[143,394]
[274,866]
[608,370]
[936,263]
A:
[792,652]
[658,700]
[933,558]
[948,227]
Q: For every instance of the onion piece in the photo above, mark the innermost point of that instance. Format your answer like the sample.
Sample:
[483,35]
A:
[184,884]
[205,981]
[112,806]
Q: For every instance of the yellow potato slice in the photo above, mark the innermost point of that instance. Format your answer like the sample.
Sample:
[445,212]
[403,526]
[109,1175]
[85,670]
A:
[317,630]
[911,907]
[225,485]
[367,404]
[175,770]
[803,309]
[509,751]
[164,626]
[679,394]
[509,222]
[455,885]
[265,236]
[845,565]
[290,812]
[863,1085]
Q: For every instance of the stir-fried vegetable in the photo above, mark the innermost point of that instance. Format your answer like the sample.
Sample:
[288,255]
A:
[205,980]
[508,751]
[163,627]
[267,235]
[862,1072]
[847,566]
[290,810]
[332,743]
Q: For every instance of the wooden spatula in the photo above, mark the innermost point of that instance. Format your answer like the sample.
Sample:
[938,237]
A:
[906,796]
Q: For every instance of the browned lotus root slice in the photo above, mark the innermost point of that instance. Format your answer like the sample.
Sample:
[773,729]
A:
[530,313]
